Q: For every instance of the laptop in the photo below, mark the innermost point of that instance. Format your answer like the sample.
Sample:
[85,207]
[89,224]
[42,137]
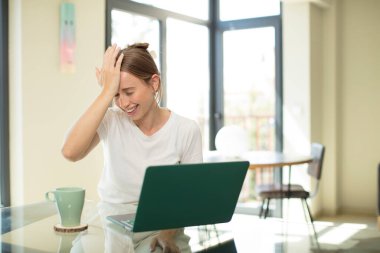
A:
[182,195]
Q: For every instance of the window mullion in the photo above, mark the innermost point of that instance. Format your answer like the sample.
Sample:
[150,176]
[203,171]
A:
[4,106]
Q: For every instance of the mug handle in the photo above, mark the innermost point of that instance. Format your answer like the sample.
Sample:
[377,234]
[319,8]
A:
[49,196]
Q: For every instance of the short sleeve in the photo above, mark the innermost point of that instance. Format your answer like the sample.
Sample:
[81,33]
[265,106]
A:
[192,152]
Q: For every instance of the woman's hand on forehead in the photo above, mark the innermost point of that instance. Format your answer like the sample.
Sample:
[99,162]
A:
[109,75]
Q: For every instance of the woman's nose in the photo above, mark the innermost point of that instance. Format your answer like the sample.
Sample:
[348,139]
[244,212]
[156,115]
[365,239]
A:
[123,101]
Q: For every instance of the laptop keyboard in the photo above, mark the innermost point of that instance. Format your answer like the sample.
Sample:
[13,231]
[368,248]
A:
[128,223]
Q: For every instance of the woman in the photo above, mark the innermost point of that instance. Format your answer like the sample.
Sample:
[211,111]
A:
[135,133]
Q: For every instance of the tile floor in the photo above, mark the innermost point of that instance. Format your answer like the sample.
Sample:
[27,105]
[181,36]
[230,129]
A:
[248,233]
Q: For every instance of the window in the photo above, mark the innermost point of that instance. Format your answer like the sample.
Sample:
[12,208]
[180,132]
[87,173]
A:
[129,28]
[187,83]
[249,84]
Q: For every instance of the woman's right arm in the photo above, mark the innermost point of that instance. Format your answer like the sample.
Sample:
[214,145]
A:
[83,137]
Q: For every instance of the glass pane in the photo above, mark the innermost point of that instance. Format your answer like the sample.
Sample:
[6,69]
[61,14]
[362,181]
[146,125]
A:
[241,9]
[128,28]
[249,84]
[192,8]
[249,91]
[188,73]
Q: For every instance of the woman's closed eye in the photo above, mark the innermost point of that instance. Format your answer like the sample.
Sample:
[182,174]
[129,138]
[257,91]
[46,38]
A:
[128,91]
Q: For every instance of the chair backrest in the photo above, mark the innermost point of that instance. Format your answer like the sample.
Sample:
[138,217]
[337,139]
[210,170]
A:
[315,167]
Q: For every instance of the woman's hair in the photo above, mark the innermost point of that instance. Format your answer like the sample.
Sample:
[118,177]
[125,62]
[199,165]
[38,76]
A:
[139,62]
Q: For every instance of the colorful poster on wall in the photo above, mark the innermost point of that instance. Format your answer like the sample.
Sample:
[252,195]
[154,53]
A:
[67,37]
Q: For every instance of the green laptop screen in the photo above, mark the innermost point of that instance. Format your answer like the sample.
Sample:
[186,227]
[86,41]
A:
[182,195]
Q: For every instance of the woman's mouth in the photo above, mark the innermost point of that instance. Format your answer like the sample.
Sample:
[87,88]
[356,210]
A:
[130,111]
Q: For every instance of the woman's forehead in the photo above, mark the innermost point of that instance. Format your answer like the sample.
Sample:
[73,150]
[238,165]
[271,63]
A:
[128,80]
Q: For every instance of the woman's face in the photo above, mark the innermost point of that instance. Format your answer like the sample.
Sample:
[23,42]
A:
[136,97]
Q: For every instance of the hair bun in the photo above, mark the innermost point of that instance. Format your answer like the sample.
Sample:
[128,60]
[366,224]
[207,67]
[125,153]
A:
[140,45]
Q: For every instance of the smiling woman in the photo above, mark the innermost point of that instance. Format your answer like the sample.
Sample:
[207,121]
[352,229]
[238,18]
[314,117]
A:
[135,133]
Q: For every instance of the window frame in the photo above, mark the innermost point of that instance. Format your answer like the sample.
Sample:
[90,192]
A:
[259,22]
[4,105]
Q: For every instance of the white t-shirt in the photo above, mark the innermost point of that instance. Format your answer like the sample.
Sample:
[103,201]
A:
[128,152]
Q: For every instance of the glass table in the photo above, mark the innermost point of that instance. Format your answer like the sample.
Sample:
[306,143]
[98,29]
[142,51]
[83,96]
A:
[29,228]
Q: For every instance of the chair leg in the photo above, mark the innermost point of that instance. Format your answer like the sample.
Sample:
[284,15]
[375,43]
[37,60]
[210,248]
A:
[267,209]
[262,208]
[216,232]
[305,211]
[311,219]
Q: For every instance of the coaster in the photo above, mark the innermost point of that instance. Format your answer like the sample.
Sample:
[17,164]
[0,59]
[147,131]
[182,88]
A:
[60,228]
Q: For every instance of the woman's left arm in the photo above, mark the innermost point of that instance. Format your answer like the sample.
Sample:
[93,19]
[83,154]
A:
[165,240]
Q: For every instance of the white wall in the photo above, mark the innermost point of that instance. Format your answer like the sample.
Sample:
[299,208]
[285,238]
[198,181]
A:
[359,103]
[341,70]
[302,83]
[327,201]
[44,102]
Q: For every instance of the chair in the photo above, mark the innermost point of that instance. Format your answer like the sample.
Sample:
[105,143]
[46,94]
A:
[286,191]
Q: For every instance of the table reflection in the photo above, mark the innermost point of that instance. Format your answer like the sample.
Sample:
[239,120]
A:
[30,229]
